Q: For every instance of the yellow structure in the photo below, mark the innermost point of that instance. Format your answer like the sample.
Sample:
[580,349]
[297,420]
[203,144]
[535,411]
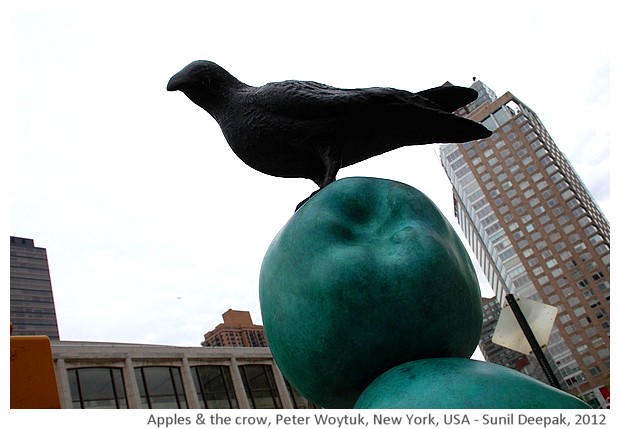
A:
[33,379]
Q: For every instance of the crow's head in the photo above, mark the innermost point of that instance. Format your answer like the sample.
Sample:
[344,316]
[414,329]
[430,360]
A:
[204,82]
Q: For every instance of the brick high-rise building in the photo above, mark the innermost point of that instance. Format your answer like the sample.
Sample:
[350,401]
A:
[537,233]
[32,300]
[238,330]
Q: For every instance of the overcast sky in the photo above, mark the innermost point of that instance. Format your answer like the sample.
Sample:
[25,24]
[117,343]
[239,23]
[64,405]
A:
[153,227]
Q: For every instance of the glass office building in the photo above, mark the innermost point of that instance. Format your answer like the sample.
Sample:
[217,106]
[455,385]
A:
[32,300]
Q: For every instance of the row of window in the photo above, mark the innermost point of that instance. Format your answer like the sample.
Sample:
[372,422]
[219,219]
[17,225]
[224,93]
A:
[162,387]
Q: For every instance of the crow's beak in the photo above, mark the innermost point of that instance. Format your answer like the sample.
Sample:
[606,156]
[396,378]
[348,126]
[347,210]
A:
[177,82]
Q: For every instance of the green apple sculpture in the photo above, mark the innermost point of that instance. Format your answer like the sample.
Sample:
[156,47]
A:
[367,275]
[461,383]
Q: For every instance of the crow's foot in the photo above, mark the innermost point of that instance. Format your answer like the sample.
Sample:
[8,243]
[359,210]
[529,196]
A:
[304,201]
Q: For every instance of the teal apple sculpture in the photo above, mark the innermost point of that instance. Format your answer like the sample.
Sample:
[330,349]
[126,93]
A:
[365,276]
[459,383]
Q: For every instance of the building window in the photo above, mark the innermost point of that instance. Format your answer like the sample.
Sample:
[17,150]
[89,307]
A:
[490,123]
[568,291]
[603,353]
[579,247]
[565,318]
[588,360]
[562,220]
[214,386]
[552,263]
[600,314]
[576,339]
[603,248]
[546,160]
[584,221]
[556,211]
[567,195]
[596,239]
[548,290]
[595,370]
[97,388]
[603,286]
[576,380]
[582,349]
[161,387]
[260,386]
[557,177]
[532,137]
[590,230]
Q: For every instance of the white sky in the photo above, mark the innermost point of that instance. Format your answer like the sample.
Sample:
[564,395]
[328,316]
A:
[153,227]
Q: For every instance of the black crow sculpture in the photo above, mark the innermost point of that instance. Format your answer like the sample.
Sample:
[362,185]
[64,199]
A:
[311,130]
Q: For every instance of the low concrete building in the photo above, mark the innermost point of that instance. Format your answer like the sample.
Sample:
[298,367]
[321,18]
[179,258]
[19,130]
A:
[116,375]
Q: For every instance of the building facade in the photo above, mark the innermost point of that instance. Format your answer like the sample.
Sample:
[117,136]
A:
[32,309]
[114,375]
[537,233]
[238,330]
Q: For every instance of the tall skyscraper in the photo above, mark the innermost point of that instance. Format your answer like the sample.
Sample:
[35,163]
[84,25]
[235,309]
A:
[32,301]
[537,233]
[238,330]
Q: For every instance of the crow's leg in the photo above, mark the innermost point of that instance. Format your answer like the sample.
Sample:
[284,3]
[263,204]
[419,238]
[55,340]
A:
[332,160]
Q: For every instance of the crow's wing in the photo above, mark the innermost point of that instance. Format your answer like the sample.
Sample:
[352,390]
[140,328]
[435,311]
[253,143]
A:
[311,100]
